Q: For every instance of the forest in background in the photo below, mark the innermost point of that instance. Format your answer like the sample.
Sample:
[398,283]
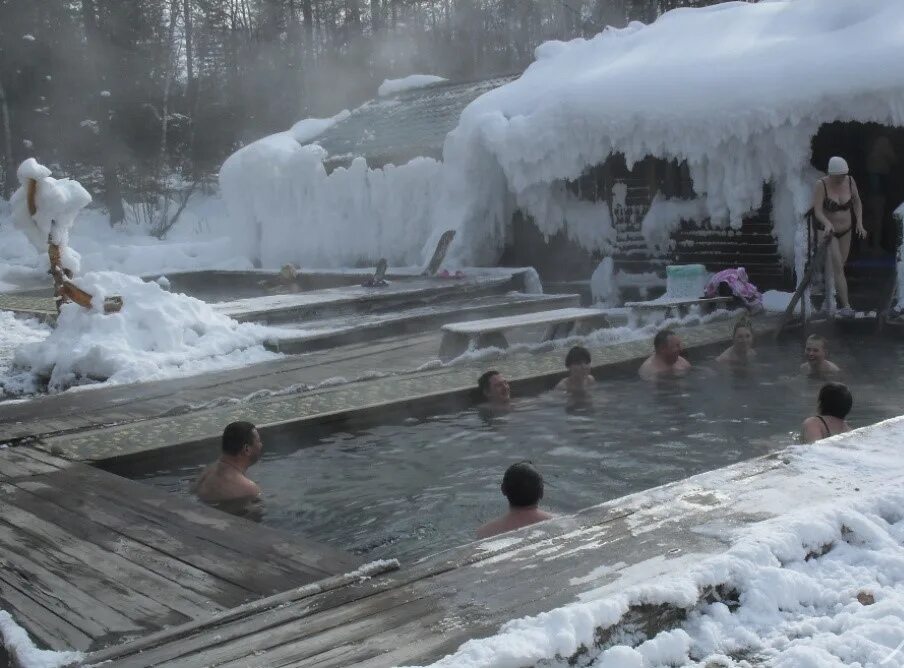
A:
[144,99]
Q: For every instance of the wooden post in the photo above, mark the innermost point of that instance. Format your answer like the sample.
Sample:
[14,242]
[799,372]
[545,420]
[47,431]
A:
[65,290]
[818,258]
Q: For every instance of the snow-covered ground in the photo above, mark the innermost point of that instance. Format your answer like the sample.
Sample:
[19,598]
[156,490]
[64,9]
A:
[819,585]
[156,335]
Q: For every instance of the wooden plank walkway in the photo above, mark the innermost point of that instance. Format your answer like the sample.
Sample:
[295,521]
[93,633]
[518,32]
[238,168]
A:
[375,393]
[419,614]
[97,407]
[89,559]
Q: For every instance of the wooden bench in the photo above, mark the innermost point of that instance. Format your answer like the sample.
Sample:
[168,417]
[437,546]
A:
[489,333]
[679,307]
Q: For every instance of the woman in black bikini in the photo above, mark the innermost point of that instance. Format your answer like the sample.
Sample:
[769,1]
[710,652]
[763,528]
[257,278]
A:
[837,209]
[834,403]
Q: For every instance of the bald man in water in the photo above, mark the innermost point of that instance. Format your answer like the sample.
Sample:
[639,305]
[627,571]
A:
[225,479]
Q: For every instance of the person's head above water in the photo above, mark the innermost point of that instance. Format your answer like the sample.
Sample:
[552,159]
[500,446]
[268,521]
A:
[667,346]
[522,485]
[838,167]
[578,357]
[835,399]
[816,349]
[241,441]
[742,337]
[494,387]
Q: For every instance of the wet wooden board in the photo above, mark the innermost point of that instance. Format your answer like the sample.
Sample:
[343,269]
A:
[88,559]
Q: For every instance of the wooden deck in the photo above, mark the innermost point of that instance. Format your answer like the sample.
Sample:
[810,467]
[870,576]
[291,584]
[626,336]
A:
[421,613]
[90,559]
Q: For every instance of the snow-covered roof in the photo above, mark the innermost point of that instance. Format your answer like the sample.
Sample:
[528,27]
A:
[404,124]
[737,91]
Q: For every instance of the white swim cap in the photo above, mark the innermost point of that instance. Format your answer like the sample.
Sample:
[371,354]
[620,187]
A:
[837,166]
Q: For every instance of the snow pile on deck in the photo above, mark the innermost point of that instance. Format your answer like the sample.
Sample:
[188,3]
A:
[411,82]
[23,651]
[736,90]
[156,335]
[819,586]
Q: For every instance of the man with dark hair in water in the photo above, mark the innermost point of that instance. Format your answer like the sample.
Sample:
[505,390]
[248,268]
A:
[225,480]
[666,359]
[494,389]
[522,485]
[818,365]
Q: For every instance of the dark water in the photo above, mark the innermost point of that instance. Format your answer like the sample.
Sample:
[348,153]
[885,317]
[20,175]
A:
[408,490]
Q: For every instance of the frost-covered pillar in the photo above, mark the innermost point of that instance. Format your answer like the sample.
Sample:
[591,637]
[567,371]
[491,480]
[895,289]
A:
[801,254]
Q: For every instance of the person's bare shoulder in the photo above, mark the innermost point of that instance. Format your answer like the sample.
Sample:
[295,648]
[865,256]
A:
[646,370]
[490,529]
[248,488]
[831,367]
[811,430]
[682,364]
[562,384]
[725,357]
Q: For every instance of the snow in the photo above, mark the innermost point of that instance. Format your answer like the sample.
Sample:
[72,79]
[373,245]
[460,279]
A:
[819,583]
[156,335]
[23,652]
[776,300]
[411,82]
[668,89]
[603,287]
[665,216]
[200,240]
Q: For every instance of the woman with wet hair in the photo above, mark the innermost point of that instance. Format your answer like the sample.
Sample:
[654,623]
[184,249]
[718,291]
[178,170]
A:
[741,352]
[833,405]
[838,212]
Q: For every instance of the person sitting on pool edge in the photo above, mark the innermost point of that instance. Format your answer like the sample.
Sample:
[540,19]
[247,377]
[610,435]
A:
[494,389]
[522,485]
[579,378]
[833,405]
[741,352]
[225,479]
[817,365]
[666,358]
